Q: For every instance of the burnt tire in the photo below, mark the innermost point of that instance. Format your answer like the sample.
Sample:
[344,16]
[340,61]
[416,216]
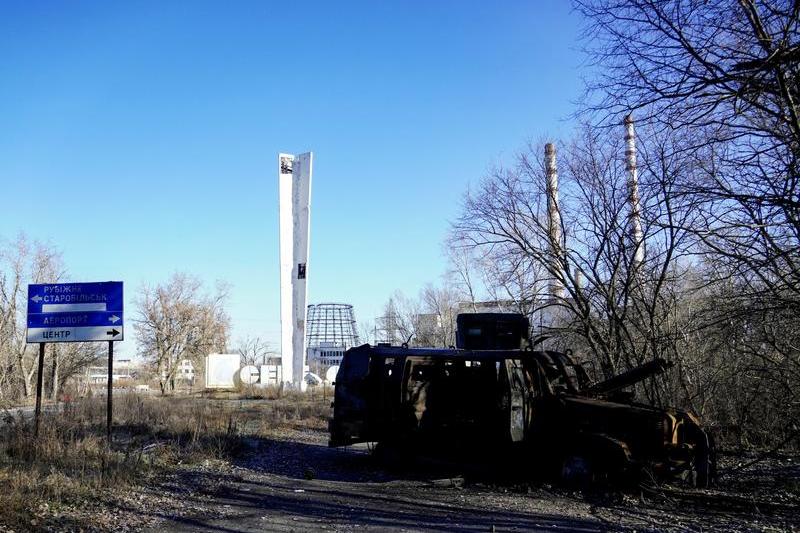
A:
[704,467]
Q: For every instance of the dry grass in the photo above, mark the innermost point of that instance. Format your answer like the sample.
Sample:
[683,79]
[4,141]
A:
[71,461]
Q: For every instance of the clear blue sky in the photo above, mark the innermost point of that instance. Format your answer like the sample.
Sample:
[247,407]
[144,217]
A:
[140,138]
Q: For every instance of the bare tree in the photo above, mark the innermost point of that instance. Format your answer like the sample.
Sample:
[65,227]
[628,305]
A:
[397,324]
[255,351]
[461,272]
[428,320]
[437,322]
[498,277]
[728,67]
[366,330]
[726,75]
[71,359]
[21,262]
[178,320]
[724,79]
[617,306]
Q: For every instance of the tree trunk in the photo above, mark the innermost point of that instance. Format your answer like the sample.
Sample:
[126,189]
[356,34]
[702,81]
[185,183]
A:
[161,377]
[54,383]
[26,377]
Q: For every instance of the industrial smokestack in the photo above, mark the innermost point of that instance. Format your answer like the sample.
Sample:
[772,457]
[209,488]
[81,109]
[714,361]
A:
[578,279]
[635,221]
[553,219]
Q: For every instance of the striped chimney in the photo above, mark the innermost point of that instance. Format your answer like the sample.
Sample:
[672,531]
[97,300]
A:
[553,218]
[635,220]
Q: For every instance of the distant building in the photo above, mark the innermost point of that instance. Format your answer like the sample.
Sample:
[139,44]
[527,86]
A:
[185,371]
[123,371]
[325,355]
[330,331]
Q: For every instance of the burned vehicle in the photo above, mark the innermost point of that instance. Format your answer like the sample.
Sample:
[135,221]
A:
[492,393]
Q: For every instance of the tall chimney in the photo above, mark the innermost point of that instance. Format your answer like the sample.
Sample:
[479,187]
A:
[553,219]
[635,220]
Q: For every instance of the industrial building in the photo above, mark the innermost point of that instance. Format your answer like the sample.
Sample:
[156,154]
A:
[330,331]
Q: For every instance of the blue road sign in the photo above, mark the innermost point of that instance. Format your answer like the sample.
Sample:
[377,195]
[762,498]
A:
[75,312]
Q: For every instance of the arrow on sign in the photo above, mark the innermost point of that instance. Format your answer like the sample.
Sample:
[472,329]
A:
[37,298]
[114,319]
[113,332]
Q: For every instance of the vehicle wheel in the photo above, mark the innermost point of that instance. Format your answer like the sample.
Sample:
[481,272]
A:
[704,466]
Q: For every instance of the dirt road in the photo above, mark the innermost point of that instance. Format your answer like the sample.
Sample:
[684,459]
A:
[268,489]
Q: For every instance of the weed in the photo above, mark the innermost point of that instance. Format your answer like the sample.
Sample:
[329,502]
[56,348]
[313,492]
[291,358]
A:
[71,461]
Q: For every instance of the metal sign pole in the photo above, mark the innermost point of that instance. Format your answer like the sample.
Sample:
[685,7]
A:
[109,406]
[76,312]
[38,413]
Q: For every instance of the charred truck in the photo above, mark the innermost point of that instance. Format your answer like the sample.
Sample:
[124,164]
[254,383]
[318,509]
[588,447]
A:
[493,393]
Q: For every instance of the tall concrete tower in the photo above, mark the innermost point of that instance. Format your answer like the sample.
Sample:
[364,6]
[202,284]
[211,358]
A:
[635,218]
[294,188]
[553,219]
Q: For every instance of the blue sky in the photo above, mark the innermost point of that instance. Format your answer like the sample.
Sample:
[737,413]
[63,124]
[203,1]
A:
[140,138]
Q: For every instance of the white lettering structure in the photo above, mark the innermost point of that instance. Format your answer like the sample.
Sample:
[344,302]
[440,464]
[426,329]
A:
[294,188]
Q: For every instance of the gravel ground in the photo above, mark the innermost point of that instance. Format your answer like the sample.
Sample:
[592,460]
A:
[287,479]
[296,483]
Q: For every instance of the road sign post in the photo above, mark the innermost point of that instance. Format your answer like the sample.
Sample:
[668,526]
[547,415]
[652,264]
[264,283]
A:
[38,412]
[110,401]
[75,312]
